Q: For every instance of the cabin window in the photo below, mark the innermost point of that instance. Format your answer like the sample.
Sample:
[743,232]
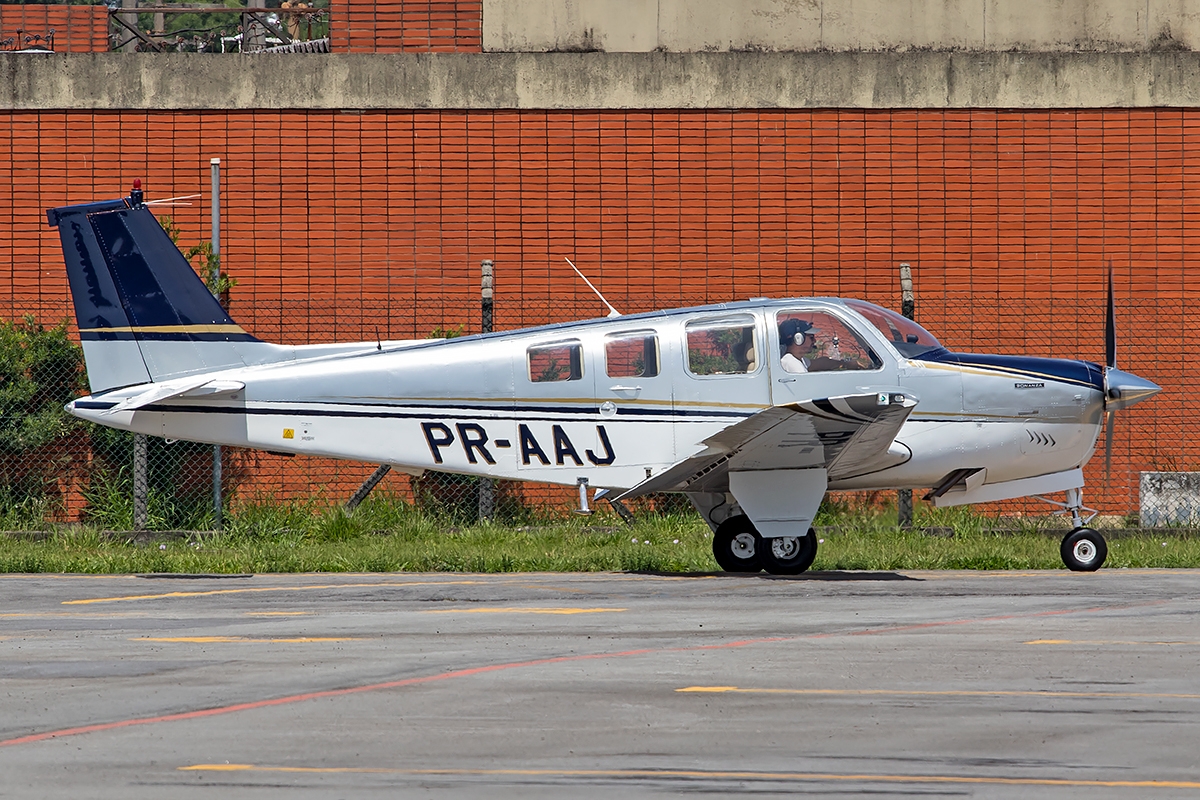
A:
[631,355]
[817,341]
[550,363]
[722,346]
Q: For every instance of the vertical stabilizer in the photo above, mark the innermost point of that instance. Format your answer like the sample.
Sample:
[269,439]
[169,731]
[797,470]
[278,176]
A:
[143,313]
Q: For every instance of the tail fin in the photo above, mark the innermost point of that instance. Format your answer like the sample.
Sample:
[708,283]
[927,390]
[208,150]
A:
[143,313]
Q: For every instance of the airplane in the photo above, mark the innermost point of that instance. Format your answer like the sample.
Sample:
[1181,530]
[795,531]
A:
[753,409]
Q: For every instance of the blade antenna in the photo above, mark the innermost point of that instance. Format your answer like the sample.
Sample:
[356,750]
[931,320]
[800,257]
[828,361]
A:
[612,312]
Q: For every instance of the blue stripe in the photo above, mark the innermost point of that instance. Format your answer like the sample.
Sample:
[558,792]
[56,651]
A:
[425,412]
[1081,373]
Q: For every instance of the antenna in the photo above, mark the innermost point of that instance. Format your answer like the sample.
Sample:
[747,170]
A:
[172,201]
[612,312]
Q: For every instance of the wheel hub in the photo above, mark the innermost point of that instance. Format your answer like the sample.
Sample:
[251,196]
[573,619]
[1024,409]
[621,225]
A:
[785,547]
[743,545]
[1084,551]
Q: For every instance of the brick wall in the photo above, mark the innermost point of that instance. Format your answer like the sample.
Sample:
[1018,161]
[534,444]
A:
[77,29]
[340,225]
[406,26]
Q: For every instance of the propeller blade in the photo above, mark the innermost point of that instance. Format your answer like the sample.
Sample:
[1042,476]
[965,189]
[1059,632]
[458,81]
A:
[1110,325]
[1109,418]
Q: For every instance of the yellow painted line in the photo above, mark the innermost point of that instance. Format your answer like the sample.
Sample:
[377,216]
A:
[943,693]
[1112,641]
[213,592]
[277,613]
[225,639]
[523,610]
[658,774]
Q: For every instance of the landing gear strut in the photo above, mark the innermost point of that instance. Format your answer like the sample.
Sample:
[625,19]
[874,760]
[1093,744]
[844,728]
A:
[1083,549]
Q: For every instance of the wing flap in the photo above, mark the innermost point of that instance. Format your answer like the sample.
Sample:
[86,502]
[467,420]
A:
[846,435]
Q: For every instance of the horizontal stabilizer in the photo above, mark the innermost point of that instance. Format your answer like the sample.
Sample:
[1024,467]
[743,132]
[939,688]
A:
[191,387]
[846,435]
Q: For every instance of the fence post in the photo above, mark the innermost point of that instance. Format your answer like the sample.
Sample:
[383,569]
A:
[904,499]
[140,484]
[487,487]
[215,277]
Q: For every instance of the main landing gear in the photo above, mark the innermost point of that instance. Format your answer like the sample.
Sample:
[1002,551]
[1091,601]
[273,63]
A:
[738,547]
[1083,549]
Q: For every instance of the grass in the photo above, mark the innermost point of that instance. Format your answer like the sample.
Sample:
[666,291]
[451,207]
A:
[386,535]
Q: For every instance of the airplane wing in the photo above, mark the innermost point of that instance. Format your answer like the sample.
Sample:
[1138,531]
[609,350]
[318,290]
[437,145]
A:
[194,386]
[847,435]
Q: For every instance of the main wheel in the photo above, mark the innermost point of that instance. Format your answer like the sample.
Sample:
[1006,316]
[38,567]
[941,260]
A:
[737,545]
[1083,550]
[790,555]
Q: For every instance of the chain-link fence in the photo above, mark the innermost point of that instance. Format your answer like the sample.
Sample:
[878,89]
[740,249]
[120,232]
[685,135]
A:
[57,469]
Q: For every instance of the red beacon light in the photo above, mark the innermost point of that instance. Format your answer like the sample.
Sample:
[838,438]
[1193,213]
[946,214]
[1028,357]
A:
[135,196]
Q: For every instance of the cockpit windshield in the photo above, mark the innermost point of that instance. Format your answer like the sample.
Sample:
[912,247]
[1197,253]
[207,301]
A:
[906,336]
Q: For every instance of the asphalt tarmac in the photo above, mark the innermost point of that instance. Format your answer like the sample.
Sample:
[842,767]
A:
[1045,684]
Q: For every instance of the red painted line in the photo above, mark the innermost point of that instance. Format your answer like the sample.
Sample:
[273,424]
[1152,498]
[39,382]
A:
[372,687]
[464,673]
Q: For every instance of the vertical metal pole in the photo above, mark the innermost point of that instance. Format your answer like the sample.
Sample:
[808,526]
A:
[487,487]
[215,275]
[132,21]
[904,499]
[140,485]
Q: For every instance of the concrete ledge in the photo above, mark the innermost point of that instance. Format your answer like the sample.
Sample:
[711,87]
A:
[577,81]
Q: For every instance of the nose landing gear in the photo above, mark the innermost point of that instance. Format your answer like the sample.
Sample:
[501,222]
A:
[1083,549]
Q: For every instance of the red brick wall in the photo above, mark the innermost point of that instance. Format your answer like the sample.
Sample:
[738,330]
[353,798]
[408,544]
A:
[406,26]
[77,29]
[336,225]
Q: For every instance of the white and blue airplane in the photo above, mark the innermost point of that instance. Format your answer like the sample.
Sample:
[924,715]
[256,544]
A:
[753,409]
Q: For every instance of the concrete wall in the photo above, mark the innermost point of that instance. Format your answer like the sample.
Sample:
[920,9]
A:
[839,25]
[919,79]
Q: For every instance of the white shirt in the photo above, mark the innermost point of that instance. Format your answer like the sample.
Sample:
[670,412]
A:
[792,364]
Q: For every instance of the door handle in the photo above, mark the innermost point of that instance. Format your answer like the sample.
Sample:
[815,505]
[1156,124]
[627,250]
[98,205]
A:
[625,388]
[787,380]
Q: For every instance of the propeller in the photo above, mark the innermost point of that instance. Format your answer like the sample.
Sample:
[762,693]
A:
[1121,389]
[1110,363]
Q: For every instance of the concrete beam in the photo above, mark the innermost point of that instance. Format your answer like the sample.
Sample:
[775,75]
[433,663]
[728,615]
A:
[183,81]
[684,26]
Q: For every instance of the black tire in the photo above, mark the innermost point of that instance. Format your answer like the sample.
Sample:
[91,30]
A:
[737,545]
[1083,550]
[789,555]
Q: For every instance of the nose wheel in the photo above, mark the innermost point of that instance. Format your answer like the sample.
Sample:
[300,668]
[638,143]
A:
[1083,550]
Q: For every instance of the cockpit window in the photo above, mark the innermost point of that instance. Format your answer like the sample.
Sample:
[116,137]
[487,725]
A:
[817,341]
[909,338]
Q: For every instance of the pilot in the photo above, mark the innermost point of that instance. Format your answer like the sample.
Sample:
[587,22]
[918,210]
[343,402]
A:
[796,340]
